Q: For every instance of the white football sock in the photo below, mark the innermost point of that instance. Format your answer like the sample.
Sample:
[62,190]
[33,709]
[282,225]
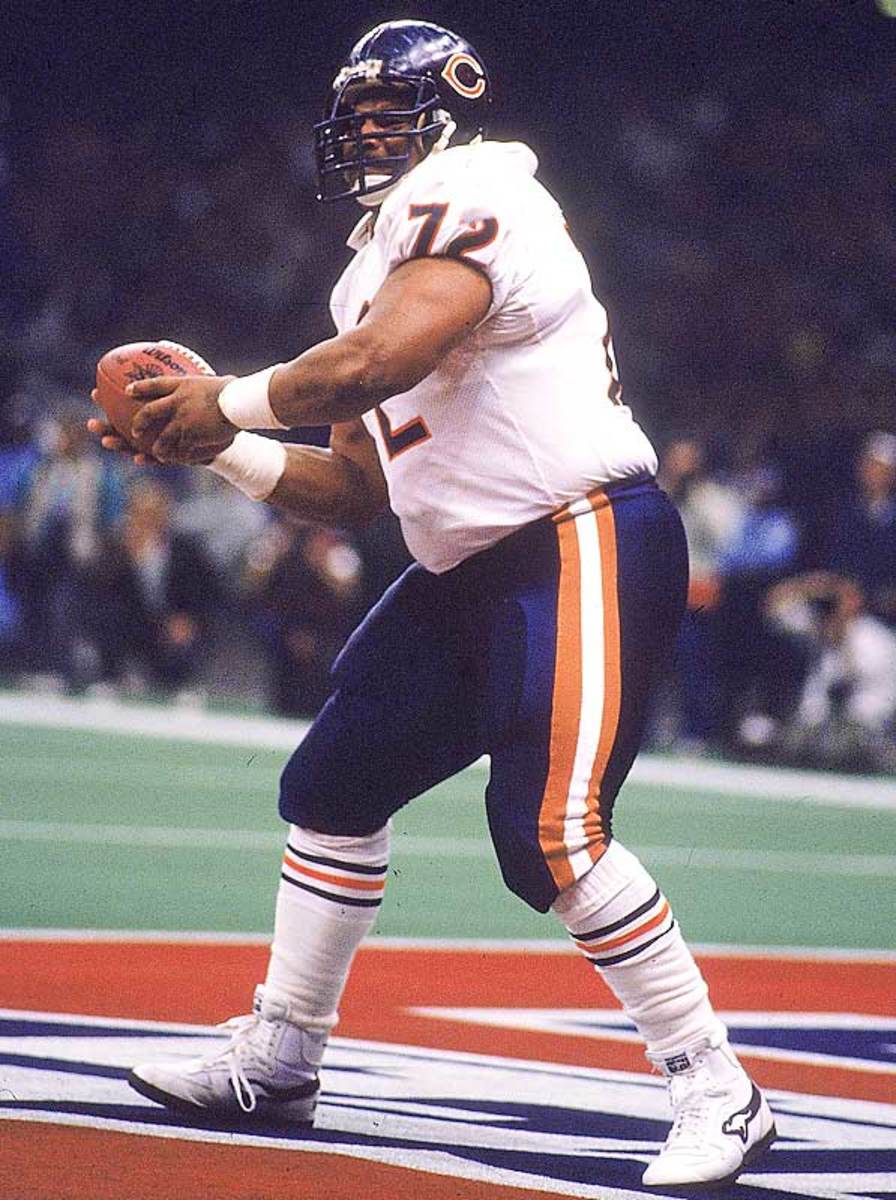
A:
[622,923]
[330,893]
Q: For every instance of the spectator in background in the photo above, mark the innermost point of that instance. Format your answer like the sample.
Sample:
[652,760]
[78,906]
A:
[712,513]
[759,670]
[846,712]
[155,591]
[227,524]
[71,500]
[765,540]
[13,581]
[304,590]
[859,539]
[18,458]
[18,453]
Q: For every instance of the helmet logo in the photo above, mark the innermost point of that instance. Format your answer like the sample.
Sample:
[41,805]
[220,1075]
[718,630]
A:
[465,75]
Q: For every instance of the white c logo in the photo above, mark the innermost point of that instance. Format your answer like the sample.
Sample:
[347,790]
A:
[472,91]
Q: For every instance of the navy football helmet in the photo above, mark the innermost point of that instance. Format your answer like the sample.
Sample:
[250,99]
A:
[441,91]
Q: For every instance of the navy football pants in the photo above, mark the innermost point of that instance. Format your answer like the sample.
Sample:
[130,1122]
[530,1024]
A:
[539,652]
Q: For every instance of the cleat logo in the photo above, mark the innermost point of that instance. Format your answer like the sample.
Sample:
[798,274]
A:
[738,1124]
[678,1064]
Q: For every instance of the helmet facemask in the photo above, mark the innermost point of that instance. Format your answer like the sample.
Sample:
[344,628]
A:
[350,161]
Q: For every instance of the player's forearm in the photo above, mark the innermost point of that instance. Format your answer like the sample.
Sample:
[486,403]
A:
[422,311]
[308,482]
[321,485]
[337,380]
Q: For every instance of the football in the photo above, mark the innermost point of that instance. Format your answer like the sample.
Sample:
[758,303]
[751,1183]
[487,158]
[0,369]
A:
[140,360]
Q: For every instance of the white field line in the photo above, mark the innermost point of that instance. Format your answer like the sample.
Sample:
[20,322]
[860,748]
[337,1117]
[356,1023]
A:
[555,945]
[788,862]
[768,783]
[173,724]
[176,837]
[688,775]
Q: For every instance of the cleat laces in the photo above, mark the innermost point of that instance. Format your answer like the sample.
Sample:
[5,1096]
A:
[243,1032]
[690,1098]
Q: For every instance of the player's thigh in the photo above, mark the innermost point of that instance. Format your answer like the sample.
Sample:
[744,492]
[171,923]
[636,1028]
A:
[596,633]
[401,718]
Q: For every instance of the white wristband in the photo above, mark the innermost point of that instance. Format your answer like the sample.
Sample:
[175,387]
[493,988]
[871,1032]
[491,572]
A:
[253,463]
[244,401]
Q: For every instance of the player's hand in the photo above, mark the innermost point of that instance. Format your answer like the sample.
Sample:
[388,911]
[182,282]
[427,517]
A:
[184,417]
[110,439]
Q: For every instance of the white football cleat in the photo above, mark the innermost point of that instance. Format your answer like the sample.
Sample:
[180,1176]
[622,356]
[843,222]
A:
[267,1072]
[721,1121]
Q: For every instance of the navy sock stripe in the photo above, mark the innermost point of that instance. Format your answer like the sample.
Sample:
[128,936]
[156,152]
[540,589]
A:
[353,901]
[619,958]
[621,923]
[357,868]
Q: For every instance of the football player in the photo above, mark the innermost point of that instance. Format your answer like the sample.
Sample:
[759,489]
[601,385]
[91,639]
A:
[472,387]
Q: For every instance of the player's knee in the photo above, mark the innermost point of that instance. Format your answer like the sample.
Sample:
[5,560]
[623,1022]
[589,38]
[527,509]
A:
[297,804]
[308,811]
[325,805]
[290,808]
[533,883]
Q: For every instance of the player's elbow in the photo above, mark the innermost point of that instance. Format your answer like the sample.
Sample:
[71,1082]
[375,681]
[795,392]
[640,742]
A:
[361,511]
[363,499]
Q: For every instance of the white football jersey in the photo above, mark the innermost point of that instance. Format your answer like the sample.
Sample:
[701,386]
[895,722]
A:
[524,415]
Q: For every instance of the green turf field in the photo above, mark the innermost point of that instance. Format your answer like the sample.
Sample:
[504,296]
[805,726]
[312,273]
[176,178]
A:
[117,830]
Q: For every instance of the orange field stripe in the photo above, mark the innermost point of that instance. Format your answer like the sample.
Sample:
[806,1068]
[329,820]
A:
[590,947]
[203,983]
[363,885]
[159,980]
[58,1162]
[566,706]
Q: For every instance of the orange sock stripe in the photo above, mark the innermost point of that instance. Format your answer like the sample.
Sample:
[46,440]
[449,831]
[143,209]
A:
[606,534]
[566,706]
[346,881]
[600,947]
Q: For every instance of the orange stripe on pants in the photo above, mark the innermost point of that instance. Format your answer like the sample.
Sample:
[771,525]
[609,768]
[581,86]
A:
[612,666]
[565,709]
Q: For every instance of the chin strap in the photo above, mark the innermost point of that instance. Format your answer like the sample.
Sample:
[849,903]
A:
[445,136]
[375,199]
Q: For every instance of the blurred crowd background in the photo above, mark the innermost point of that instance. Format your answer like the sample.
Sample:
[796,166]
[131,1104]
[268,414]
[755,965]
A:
[727,170]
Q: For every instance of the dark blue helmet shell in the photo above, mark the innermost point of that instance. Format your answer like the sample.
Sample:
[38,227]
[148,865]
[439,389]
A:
[439,81]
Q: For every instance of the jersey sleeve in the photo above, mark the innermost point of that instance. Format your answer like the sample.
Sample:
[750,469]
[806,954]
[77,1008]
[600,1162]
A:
[468,217]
